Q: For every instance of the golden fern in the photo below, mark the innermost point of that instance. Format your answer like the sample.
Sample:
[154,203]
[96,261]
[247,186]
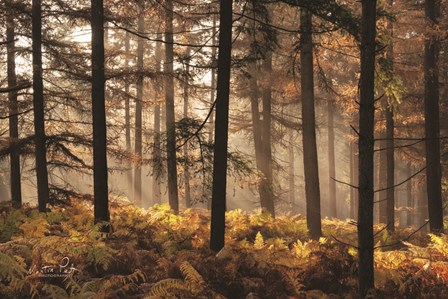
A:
[167,288]
[192,277]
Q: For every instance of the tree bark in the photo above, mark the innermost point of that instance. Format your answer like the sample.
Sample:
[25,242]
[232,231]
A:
[100,185]
[187,167]
[267,196]
[291,174]
[353,191]
[366,147]
[432,123]
[43,195]
[14,156]
[331,161]
[139,109]
[409,196]
[170,117]
[217,230]
[382,180]
[157,154]
[127,110]
[313,214]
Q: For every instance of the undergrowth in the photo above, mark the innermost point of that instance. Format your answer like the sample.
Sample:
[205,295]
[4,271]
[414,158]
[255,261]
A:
[157,254]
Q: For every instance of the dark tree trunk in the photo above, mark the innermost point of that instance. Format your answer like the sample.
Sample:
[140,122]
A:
[170,117]
[353,191]
[267,192]
[309,128]
[139,110]
[366,147]
[157,154]
[432,125]
[291,174]
[390,170]
[14,156]
[217,230]
[331,161]
[187,167]
[100,187]
[390,143]
[39,110]
[409,196]
[127,110]
[382,180]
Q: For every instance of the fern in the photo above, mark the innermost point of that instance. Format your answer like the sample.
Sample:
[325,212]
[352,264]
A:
[168,287]
[10,269]
[192,277]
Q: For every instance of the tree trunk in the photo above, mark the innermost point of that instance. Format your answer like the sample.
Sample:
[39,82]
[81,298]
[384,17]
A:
[432,125]
[127,110]
[331,161]
[100,187]
[139,109]
[390,170]
[409,196]
[382,180]
[309,128]
[157,154]
[187,167]
[14,156]
[43,195]
[291,174]
[170,117]
[366,147]
[353,191]
[267,196]
[217,229]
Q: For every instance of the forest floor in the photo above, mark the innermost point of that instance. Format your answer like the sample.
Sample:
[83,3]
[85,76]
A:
[156,254]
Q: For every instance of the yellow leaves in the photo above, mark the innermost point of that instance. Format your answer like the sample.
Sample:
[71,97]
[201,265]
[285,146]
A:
[301,250]
[35,228]
[259,241]
[440,243]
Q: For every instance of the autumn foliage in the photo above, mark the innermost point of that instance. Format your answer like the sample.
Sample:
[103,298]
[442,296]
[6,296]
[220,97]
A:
[157,254]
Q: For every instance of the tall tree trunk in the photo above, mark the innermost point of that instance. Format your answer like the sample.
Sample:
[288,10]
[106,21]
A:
[291,174]
[390,170]
[43,195]
[187,167]
[331,161]
[366,147]
[100,186]
[390,142]
[157,154]
[432,124]
[212,93]
[217,229]
[170,117]
[127,111]
[14,156]
[382,180]
[310,161]
[409,196]
[267,196]
[139,109]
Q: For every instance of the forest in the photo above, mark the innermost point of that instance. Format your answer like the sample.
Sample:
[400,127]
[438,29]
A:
[223,149]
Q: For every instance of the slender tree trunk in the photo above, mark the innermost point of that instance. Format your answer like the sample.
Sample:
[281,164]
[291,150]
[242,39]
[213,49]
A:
[139,109]
[382,195]
[212,93]
[331,161]
[366,146]
[267,196]
[186,150]
[14,156]
[127,109]
[409,196]
[43,195]
[291,174]
[157,154]
[432,123]
[217,230]
[170,117]
[100,186]
[390,170]
[310,161]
